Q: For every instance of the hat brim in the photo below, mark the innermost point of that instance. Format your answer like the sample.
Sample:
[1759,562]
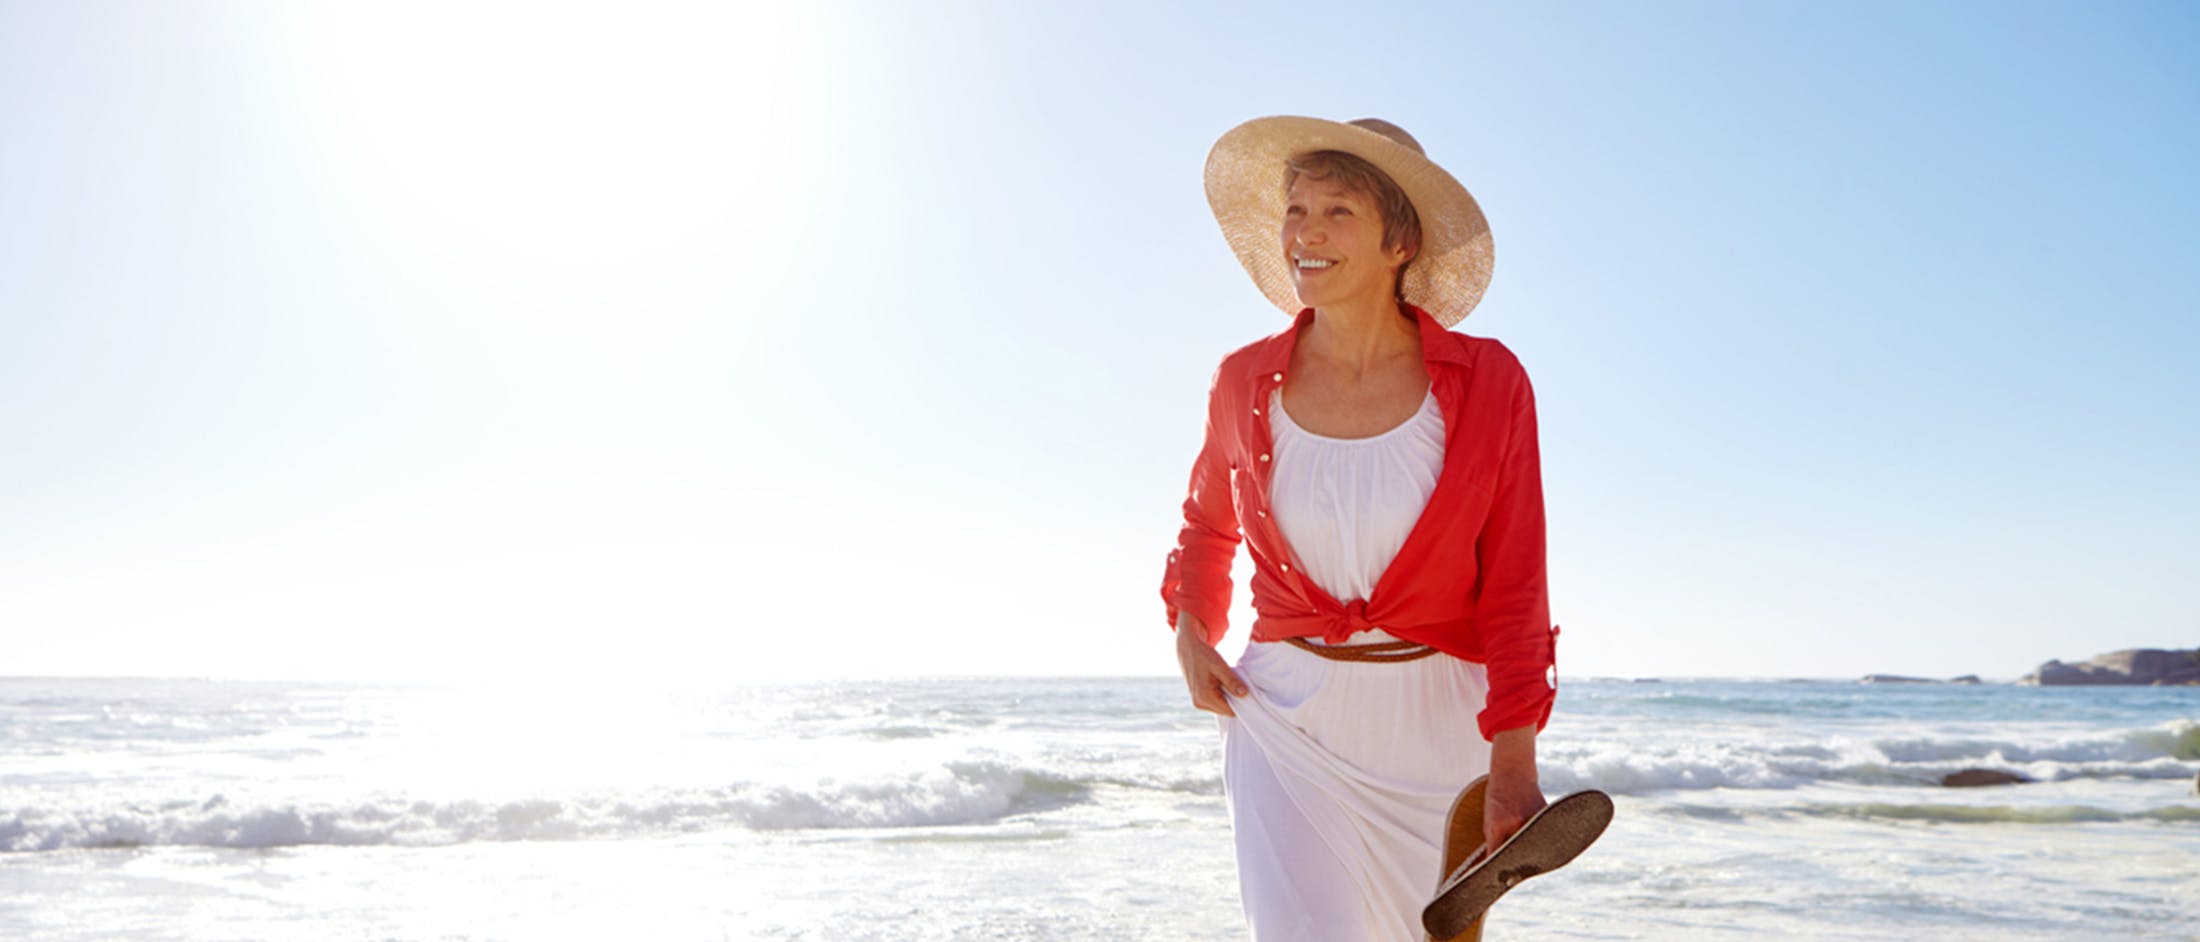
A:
[1245,189]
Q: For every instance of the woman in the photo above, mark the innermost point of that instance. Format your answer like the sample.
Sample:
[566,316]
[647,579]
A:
[1383,472]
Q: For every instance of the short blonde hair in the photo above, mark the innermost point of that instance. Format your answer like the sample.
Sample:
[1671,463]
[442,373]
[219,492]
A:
[1401,225]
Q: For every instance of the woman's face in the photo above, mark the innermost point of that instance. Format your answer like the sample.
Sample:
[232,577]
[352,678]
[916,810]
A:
[1333,239]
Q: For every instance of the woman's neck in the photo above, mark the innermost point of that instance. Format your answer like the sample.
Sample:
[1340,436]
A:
[1361,335]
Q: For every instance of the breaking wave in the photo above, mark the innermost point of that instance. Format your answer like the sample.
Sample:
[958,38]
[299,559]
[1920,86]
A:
[2001,814]
[2167,751]
[958,793]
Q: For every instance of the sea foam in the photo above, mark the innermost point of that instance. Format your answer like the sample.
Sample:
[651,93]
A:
[957,793]
[1696,762]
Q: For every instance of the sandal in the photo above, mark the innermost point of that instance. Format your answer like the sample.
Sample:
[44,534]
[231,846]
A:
[1549,840]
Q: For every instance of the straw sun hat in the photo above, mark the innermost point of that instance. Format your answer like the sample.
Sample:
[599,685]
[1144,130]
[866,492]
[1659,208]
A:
[1245,187]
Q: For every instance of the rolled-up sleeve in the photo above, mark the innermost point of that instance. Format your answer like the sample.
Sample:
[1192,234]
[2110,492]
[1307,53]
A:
[1512,609]
[1197,579]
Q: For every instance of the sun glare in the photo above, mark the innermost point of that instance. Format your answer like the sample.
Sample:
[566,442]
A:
[562,160]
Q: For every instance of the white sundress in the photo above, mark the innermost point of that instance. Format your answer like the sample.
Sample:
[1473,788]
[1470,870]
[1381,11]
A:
[1339,773]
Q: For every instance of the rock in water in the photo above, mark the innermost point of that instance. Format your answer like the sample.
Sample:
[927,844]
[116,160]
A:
[1974,778]
[2136,666]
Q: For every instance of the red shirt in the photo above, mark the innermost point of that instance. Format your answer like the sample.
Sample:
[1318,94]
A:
[1469,580]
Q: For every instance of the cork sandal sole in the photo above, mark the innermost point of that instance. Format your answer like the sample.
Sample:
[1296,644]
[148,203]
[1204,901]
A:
[1462,840]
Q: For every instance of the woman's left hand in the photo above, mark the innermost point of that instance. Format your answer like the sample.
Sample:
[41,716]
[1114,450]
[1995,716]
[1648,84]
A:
[1514,794]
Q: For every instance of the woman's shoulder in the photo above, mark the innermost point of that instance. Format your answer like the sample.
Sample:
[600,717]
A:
[1487,356]
[1268,354]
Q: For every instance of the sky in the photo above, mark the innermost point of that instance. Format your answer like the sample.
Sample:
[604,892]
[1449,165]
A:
[571,344]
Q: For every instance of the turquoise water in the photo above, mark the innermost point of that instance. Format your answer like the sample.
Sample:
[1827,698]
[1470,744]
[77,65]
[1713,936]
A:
[1042,809]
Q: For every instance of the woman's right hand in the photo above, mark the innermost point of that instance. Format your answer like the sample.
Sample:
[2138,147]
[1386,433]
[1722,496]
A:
[1205,672]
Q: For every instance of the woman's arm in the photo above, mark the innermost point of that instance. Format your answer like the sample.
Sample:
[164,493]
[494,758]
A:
[1514,794]
[1196,585]
[1513,610]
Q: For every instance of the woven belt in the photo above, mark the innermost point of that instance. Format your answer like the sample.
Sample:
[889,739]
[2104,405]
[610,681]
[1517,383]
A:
[1381,652]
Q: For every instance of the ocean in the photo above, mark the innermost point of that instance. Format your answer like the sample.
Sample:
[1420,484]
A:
[1057,809]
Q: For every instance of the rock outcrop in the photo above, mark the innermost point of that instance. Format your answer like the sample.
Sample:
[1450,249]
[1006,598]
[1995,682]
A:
[1974,778]
[2136,667]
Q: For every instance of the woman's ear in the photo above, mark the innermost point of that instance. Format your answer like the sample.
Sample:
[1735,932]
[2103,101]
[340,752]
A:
[1408,249]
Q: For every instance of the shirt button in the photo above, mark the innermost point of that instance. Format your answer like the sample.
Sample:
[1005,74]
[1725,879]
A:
[1279,377]
[1256,410]
[1263,513]
[1263,457]
[1286,566]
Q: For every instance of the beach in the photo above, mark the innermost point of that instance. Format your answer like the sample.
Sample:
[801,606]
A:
[1026,808]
